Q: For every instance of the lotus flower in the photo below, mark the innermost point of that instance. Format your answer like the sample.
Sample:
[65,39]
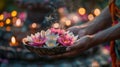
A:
[67,39]
[36,40]
[51,39]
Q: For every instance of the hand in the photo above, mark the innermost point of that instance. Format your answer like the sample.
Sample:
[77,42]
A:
[74,29]
[78,30]
[79,46]
[82,44]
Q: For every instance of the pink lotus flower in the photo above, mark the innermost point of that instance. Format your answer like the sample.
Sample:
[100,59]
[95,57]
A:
[38,41]
[66,40]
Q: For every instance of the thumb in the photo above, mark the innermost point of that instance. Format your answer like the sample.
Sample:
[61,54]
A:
[75,46]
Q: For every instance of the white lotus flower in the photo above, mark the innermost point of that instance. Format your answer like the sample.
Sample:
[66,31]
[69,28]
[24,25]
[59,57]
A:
[51,43]
[52,37]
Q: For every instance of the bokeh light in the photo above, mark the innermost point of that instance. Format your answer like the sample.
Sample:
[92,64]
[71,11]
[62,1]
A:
[34,25]
[8,28]
[13,41]
[61,10]
[14,13]
[56,25]
[18,23]
[68,23]
[8,21]
[90,17]
[95,64]
[82,11]
[97,12]
[1,17]
[1,24]
[75,18]
[63,19]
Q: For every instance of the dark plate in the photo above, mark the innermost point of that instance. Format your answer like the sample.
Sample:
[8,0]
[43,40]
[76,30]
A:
[41,51]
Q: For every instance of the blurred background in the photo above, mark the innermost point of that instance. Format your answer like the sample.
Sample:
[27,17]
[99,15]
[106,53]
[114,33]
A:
[19,18]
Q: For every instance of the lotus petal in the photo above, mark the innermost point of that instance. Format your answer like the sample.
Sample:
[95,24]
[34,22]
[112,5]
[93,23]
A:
[29,39]
[42,33]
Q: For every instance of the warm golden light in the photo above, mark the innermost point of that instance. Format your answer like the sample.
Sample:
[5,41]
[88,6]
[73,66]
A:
[1,17]
[97,12]
[8,28]
[13,41]
[56,25]
[8,21]
[95,64]
[63,19]
[1,24]
[18,23]
[61,10]
[67,22]
[105,51]
[82,11]
[75,18]
[34,25]
[14,13]
[90,17]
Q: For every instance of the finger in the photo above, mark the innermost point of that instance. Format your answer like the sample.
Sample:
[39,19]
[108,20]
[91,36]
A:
[82,33]
[74,46]
[74,29]
[77,45]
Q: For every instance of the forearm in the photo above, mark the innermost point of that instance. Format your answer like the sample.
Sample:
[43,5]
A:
[109,34]
[101,22]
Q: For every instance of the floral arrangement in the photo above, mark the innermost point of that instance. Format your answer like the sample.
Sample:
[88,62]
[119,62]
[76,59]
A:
[51,38]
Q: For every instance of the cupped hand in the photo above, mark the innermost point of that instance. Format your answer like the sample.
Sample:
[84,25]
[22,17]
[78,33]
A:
[78,47]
